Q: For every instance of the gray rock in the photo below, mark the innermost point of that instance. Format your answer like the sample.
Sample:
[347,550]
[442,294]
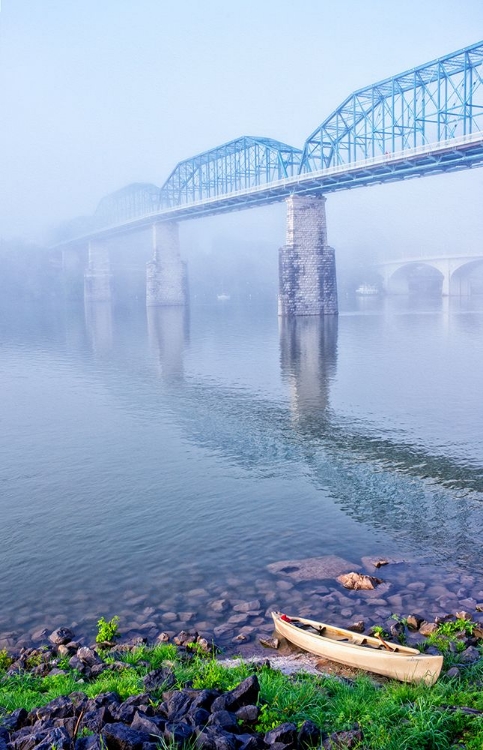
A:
[88,656]
[357,627]
[248,714]
[469,655]
[358,581]
[285,733]
[427,628]
[61,636]
[453,673]
[253,605]
[312,568]
[414,621]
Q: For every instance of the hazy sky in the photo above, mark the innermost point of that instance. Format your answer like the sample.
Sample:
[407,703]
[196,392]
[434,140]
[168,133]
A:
[96,94]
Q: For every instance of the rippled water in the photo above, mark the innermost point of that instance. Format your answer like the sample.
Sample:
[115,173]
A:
[147,458]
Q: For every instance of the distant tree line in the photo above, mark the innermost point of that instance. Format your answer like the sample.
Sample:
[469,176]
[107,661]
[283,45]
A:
[28,270]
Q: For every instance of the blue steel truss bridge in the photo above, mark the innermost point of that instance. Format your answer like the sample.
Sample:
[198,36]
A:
[425,121]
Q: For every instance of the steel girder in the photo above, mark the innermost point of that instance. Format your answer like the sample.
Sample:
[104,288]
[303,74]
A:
[434,102]
[244,163]
[131,202]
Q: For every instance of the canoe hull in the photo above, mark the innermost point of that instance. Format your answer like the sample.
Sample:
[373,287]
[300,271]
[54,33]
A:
[407,665]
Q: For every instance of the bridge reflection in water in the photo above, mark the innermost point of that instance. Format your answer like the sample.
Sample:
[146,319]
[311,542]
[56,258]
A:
[431,503]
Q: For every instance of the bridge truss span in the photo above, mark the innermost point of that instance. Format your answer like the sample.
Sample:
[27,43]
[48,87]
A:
[434,102]
[242,164]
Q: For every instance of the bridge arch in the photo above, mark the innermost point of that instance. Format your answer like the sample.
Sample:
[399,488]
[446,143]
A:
[415,277]
[461,281]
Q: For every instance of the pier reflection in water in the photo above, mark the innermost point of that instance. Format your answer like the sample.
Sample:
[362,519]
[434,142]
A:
[206,448]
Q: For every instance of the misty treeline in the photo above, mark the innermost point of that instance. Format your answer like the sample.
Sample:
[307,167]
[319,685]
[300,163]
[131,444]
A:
[28,270]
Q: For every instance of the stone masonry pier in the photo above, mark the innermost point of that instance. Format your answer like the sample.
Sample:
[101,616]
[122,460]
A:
[307,277]
[166,277]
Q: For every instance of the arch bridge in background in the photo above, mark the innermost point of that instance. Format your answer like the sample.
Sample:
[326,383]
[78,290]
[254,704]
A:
[452,273]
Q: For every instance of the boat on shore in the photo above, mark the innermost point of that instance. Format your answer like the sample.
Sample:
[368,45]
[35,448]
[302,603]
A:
[359,651]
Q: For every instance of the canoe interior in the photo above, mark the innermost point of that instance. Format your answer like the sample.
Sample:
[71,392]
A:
[321,629]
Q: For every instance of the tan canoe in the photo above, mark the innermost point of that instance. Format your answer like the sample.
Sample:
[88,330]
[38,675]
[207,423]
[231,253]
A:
[359,651]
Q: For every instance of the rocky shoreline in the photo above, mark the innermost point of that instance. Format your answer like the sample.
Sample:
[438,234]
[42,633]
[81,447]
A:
[222,611]
[208,719]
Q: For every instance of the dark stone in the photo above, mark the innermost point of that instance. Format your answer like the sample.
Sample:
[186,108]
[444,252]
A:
[224,719]
[95,719]
[68,724]
[59,708]
[176,705]
[198,717]
[203,698]
[61,636]
[453,672]
[92,742]
[213,738]
[250,742]
[15,720]
[4,734]
[357,627]
[309,734]
[286,733]
[45,740]
[246,693]
[142,699]
[469,655]
[178,732]
[120,737]
[248,714]
[105,699]
[159,678]
[148,724]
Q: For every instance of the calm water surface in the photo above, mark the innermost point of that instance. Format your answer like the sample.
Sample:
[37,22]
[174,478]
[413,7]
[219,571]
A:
[144,457]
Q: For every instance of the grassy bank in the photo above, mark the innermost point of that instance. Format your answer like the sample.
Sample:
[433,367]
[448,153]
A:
[393,716]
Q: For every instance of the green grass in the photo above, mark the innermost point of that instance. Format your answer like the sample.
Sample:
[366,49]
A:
[395,716]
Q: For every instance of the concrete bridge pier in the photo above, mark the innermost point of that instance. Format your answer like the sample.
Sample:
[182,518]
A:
[166,277]
[97,276]
[307,277]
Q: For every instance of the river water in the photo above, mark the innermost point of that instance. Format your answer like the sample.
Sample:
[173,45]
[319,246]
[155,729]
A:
[153,463]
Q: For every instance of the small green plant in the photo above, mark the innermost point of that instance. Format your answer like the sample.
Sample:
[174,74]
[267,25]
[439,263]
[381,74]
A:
[455,627]
[378,631]
[107,630]
[5,660]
